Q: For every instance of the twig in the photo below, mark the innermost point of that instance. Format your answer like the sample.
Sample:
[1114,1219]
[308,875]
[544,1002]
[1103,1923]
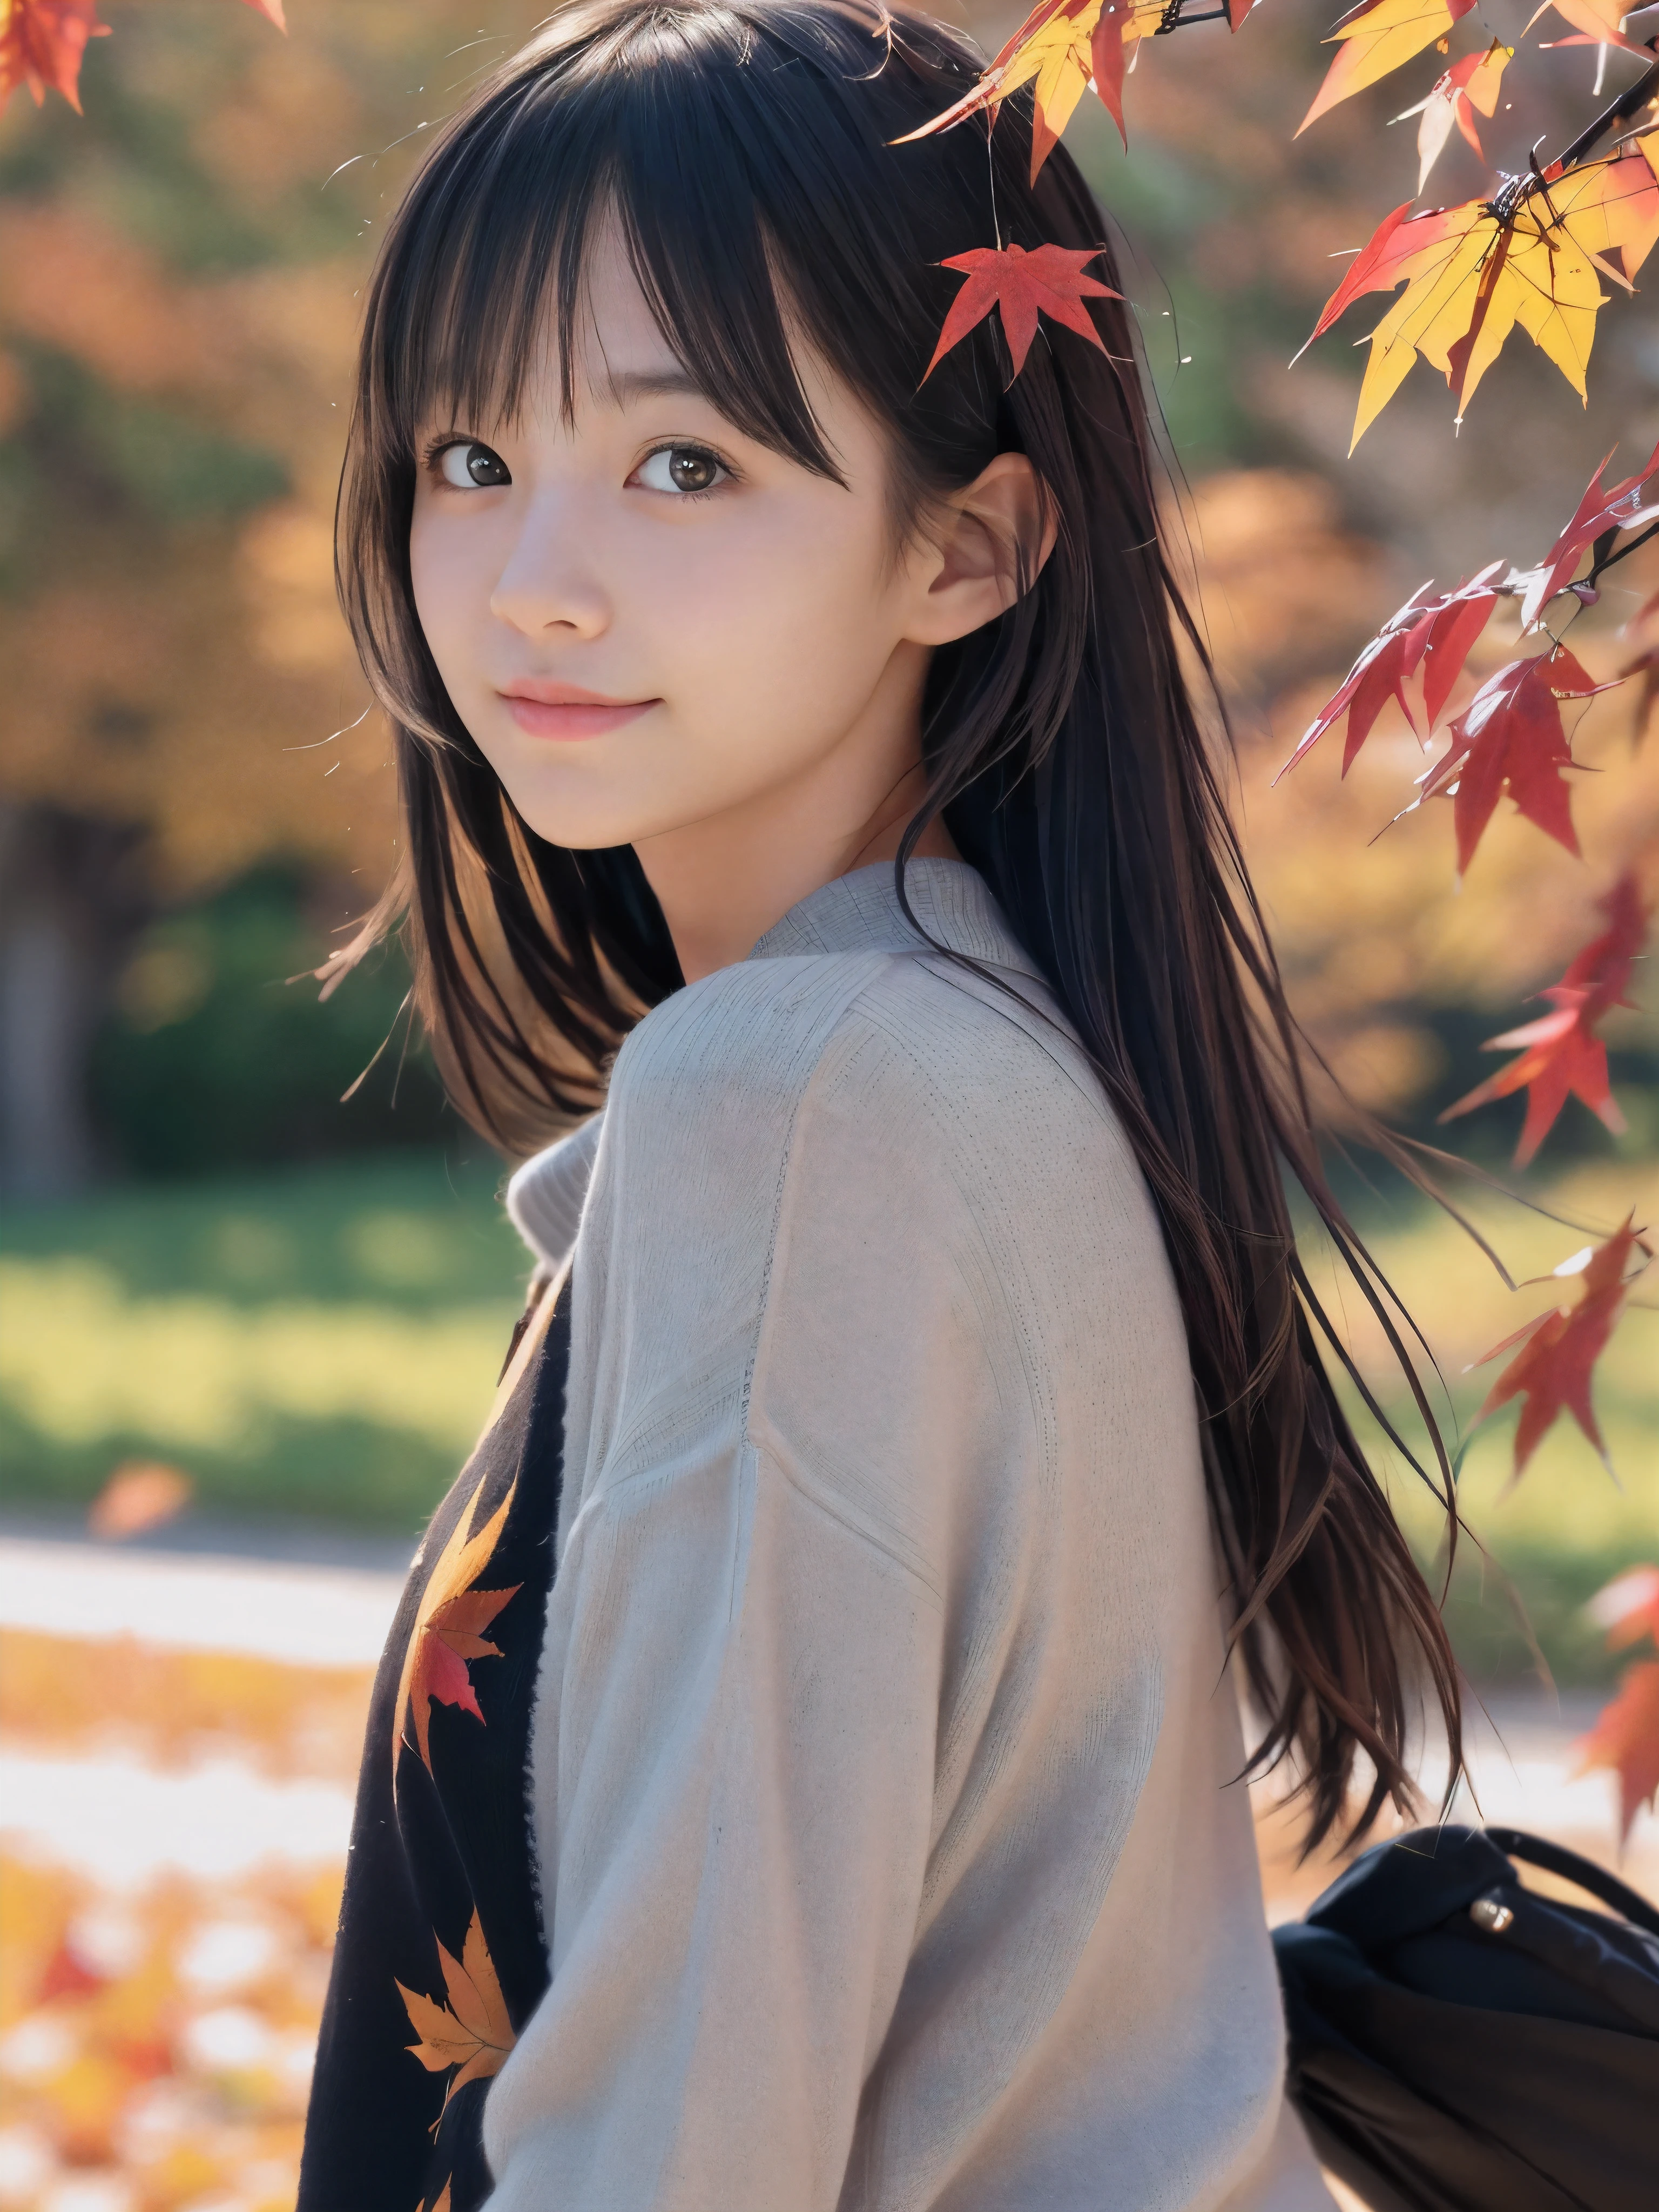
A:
[1634,96]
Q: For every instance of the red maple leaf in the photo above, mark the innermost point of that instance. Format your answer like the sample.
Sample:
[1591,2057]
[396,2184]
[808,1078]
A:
[1560,1349]
[1561,1056]
[1626,1737]
[1048,278]
[1621,507]
[41,43]
[1627,1608]
[1510,738]
[1384,260]
[1436,636]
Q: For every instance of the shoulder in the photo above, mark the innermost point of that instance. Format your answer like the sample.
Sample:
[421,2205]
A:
[906,1063]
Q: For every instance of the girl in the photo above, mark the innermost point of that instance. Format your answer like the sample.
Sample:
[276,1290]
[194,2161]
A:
[806,1770]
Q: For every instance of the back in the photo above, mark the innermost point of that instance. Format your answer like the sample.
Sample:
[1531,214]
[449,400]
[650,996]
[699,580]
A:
[881,1759]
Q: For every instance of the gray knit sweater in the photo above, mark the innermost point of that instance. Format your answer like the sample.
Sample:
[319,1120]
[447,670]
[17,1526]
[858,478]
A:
[881,1759]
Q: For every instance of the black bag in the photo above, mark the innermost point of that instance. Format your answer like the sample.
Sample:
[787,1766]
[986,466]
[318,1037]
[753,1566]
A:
[1459,2044]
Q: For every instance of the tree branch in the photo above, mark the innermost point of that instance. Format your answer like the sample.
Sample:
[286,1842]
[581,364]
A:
[1602,567]
[1633,97]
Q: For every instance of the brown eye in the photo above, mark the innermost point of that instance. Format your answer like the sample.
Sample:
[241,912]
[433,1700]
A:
[682,469]
[469,465]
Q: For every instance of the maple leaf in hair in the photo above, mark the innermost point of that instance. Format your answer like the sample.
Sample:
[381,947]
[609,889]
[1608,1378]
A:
[1048,280]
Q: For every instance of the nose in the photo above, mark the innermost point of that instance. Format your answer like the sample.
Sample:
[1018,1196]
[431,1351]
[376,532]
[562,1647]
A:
[549,580]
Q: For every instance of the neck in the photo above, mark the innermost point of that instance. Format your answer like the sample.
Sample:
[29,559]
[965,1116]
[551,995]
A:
[722,883]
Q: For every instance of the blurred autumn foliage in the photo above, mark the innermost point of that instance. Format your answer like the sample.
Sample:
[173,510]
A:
[177,315]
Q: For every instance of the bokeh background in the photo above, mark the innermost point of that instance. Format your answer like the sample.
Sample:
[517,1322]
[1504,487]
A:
[211,1265]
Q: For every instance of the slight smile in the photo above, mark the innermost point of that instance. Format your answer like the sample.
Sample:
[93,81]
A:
[566,711]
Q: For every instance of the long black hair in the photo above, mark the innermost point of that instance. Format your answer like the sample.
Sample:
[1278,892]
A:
[746,150]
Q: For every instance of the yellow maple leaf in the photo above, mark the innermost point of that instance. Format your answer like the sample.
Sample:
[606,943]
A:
[473,2032]
[1533,258]
[1598,22]
[1061,49]
[1374,42]
[445,1633]
[1058,60]
[1612,207]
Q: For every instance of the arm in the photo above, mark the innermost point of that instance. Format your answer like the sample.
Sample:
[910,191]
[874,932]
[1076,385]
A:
[740,1708]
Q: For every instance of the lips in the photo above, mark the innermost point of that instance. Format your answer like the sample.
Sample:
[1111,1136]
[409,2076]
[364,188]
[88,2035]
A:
[567,712]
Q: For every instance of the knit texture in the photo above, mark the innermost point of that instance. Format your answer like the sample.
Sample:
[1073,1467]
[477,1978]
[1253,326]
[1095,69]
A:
[883,1753]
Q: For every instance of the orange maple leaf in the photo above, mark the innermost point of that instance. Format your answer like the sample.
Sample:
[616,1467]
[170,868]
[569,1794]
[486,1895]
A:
[473,2033]
[1597,21]
[448,1630]
[1627,1608]
[1626,1737]
[41,43]
[1468,87]
[1375,39]
[1532,258]
[1562,1056]
[1560,1349]
[1048,278]
[1062,49]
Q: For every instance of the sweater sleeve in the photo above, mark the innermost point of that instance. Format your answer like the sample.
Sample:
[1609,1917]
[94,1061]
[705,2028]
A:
[740,1703]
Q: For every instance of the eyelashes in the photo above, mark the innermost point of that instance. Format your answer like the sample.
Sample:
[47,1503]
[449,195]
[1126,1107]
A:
[680,468]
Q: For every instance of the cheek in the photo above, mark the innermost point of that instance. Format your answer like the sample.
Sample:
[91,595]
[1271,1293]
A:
[790,610]
[450,588]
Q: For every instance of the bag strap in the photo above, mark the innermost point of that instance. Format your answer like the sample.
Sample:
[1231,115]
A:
[1584,1874]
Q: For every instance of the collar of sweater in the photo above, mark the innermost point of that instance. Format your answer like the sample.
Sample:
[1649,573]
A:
[857,913]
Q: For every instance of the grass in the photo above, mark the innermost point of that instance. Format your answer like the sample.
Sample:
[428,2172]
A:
[322,1340]
[326,1341]
[1570,1523]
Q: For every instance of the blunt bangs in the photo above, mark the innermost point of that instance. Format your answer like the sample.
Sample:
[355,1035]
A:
[751,206]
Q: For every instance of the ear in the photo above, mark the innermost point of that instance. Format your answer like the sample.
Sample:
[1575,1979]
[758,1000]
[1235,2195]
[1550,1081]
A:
[975,550]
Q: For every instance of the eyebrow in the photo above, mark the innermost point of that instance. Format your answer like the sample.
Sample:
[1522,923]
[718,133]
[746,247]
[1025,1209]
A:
[653,384]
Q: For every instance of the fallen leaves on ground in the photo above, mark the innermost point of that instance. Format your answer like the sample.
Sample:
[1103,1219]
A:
[160,2045]
[141,1494]
[1562,1056]
[1048,279]
[1553,1372]
[171,1706]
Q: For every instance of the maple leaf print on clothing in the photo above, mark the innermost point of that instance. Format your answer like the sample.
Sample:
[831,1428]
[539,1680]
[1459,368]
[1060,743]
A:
[472,2033]
[448,1632]
[1048,278]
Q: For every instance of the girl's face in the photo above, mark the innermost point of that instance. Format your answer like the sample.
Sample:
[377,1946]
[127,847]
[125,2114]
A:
[648,621]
